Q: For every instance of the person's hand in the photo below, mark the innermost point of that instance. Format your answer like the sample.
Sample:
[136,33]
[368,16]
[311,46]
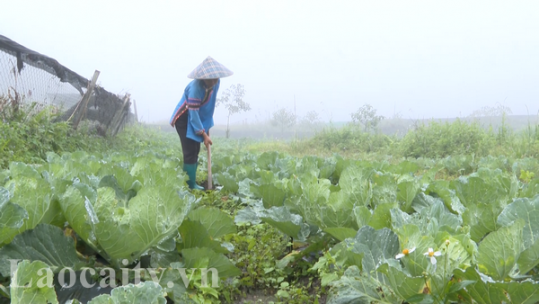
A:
[207,140]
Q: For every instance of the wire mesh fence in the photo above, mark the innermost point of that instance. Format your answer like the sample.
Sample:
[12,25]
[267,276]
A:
[34,85]
[28,77]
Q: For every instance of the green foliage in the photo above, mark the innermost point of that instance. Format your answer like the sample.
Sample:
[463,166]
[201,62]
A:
[425,140]
[366,116]
[351,139]
[46,243]
[293,229]
[260,251]
[440,140]
[32,283]
[121,207]
[124,222]
[232,100]
[266,245]
[29,134]
[33,131]
[469,221]
[145,293]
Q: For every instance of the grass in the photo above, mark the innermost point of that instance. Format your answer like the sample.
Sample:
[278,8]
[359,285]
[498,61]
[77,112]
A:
[434,140]
[28,133]
[31,131]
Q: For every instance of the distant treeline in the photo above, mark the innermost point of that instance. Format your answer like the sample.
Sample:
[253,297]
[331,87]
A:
[392,126]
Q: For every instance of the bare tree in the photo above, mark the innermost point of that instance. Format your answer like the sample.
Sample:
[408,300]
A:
[232,99]
[311,118]
[283,118]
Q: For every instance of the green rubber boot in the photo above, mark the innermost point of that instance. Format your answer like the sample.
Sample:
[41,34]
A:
[191,170]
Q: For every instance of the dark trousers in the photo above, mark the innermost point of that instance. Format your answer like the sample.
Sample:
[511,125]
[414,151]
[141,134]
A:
[190,148]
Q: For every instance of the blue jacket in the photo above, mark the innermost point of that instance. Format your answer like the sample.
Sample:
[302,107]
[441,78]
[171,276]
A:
[200,104]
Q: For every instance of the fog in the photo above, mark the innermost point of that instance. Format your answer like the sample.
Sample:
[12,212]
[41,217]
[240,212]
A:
[415,59]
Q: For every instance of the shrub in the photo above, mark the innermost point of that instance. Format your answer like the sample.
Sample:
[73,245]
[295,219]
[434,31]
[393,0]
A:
[441,140]
[30,132]
[351,138]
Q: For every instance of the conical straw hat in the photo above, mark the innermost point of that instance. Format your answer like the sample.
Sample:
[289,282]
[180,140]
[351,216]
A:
[210,69]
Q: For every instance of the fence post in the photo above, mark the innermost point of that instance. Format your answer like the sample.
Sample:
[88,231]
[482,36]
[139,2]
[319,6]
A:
[80,112]
[135,105]
[119,116]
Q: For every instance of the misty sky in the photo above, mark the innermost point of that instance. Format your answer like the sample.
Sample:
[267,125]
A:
[419,59]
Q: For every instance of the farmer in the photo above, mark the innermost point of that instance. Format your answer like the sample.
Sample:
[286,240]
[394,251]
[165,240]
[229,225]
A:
[193,116]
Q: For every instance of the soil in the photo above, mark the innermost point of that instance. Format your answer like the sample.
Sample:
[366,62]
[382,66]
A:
[205,184]
[259,296]
[256,296]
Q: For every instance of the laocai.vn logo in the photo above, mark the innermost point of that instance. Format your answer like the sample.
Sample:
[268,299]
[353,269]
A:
[108,277]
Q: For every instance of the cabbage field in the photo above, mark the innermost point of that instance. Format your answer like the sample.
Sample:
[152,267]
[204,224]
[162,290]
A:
[277,229]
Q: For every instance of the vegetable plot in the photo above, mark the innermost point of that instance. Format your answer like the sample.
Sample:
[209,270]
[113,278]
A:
[378,232]
[403,236]
[118,209]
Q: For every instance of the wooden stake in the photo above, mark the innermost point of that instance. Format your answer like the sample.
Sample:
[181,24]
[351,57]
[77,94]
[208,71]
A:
[135,105]
[119,116]
[84,101]
[210,179]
